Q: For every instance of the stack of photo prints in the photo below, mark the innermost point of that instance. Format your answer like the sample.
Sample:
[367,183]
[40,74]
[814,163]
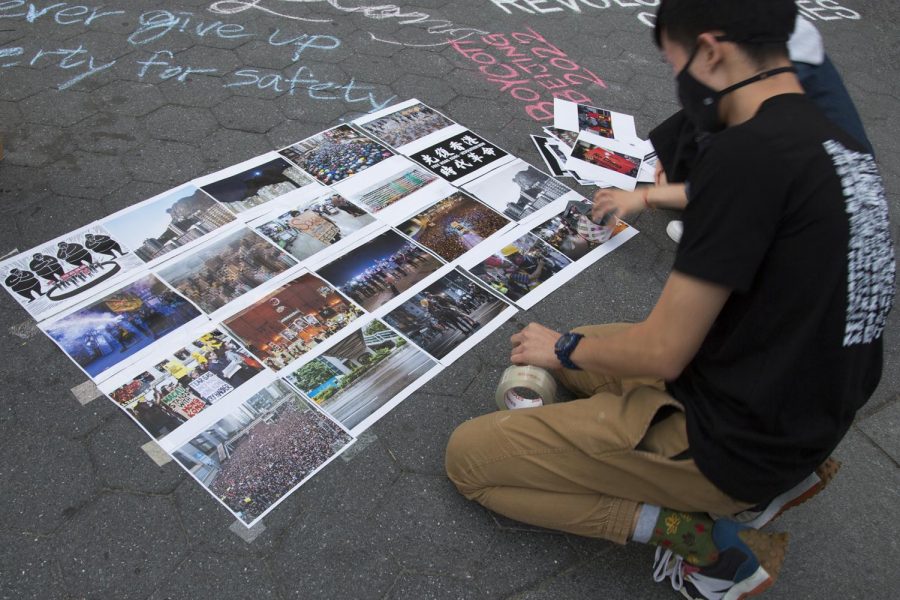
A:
[596,146]
[256,320]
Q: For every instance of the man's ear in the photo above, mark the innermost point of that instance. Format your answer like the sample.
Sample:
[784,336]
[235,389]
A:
[710,53]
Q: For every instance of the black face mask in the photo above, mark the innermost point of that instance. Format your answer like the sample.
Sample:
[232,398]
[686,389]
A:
[701,102]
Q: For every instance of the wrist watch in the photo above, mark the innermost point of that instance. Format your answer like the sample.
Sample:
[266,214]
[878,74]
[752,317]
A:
[564,347]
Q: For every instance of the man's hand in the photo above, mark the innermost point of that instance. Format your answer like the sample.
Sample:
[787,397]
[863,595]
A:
[536,346]
[617,202]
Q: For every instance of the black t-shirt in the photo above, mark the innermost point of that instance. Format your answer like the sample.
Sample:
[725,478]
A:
[789,212]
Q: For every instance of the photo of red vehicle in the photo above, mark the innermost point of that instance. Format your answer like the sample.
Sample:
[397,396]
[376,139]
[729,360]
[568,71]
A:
[608,159]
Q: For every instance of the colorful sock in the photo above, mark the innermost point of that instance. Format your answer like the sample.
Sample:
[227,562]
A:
[687,534]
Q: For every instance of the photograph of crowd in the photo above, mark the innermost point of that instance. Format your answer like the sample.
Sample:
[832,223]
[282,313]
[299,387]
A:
[361,373]
[184,383]
[50,277]
[518,190]
[454,225]
[168,222]
[445,314]
[566,137]
[257,185]
[380,270]
[292,320]
[567,231]
[521,266]
[617,162]
[336,154]
[407,125]
[315,225]
[114,328]
[381,195]
[226,269]
[258,454]
[595,120]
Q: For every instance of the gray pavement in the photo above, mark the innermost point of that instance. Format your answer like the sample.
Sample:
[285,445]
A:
[103,107]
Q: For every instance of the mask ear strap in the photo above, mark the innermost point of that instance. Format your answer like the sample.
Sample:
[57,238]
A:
[755,78]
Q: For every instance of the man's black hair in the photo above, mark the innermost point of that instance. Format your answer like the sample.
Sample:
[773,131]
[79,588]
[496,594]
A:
[761,28]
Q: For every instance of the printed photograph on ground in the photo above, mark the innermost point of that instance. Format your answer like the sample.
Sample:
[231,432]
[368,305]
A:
[596,120]
[292,320]
[361,373]
[380,269]
[521,266]
[407,125]
[226,269]
[454,225]
[566,137]
[458,158]
[518,190]
[315,225]
[384,194]
[103,334]
[259,453]
[336,154]
[257,185]
[168,222]
[445,314]
[184,383]
[58,274]
[569,232]
[618,162]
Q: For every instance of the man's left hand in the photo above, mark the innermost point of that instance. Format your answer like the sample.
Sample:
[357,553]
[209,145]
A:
[536,346]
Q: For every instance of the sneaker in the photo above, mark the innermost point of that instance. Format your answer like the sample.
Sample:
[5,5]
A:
[675,229]
[749,562]
[763,514]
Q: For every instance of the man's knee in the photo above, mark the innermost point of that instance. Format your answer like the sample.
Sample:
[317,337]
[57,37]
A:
[462,449]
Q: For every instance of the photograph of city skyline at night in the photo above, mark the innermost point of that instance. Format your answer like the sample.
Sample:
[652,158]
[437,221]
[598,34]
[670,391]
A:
[380,269]
[257,185]
[287,323]
[103,334]
[168,222]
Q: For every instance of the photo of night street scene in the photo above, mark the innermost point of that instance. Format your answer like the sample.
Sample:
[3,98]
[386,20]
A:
[380,270]
[289,322]
[361,373]
[103,334]
[257,185]
[336,154]
[442,316]
[314,225]
[256,455]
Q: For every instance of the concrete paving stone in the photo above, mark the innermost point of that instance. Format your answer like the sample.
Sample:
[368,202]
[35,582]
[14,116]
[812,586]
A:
[122,546]
[31,145]
[129,98]
[134,192]
[236,578]
[197,90]
[60,108]
[290,131]
[485,118]
[224,61]
[432,586]
[246,114]
[108,133]
[28,567]
[426,525]
[170,163]
[120,462]
[381,69]
[87,175]
[225,147]
[516,561]
[422,61]
[882,428]
[180,124]
[429,89]
[297,108]
[456,380]
[50,467]
[258,53]
[28,84]
[10,117]
[467,80]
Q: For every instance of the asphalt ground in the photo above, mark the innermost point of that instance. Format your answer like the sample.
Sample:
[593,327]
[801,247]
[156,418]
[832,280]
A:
[97,116]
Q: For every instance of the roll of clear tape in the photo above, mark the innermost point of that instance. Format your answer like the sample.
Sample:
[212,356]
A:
[525,387]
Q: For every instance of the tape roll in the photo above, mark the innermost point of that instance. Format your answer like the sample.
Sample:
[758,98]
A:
[525,387]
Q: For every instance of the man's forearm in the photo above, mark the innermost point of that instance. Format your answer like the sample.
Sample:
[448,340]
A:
[632,352]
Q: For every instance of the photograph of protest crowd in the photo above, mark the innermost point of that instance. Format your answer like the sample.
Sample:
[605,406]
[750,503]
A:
[259,453]
[380,269]
[168,222]
[444,314]
[117,326]
[226,269]
[407,125]
[361,373]
[518,190]
[184,383]
[618,162]
[454,225]
[570,231]
[383,194]
[292,320]
[257,185]
[336,154]
[48,278]
[595,120]
[521,266]
[314,225]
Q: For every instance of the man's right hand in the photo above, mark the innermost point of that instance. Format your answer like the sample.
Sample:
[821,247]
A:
[617,202]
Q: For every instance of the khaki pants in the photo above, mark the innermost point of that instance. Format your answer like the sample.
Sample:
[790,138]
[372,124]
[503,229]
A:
[584,466]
